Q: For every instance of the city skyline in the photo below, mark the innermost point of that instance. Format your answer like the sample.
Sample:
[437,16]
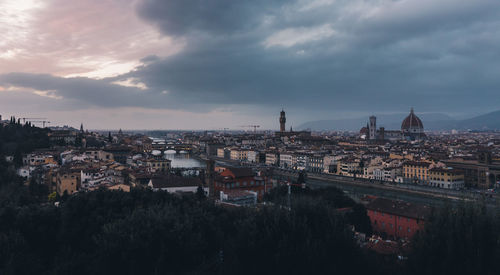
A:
[184,65]
[249,137]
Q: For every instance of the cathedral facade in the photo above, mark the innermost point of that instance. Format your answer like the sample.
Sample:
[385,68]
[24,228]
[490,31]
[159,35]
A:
[412,129]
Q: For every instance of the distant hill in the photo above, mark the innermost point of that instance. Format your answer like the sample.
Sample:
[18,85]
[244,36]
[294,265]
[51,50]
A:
[489,121]
[432,121]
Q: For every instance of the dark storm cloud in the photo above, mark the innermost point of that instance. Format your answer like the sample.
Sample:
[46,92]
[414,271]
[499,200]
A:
[217,16]
[379,55]
[354,55]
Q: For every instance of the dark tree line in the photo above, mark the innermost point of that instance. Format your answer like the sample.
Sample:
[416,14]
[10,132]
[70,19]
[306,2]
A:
[333,198]
[464,239]
[144,232]
[17,139]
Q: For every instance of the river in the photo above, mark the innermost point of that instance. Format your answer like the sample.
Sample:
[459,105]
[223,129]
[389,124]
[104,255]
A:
[183,160]
[179,160]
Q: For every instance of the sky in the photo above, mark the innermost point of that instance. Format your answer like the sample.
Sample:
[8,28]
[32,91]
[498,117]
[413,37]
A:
[214,64]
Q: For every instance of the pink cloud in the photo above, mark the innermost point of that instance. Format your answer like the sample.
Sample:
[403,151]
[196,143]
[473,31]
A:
[95,38]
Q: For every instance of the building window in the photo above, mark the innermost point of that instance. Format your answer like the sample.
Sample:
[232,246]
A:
[409,230]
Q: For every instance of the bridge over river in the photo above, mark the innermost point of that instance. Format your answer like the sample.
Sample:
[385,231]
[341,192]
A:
[174,147]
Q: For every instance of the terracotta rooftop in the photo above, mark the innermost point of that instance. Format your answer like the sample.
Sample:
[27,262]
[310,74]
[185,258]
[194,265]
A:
[241,172]
[412,121]
[400,208]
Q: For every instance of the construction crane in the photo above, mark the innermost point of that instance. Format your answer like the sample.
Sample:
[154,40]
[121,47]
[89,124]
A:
[30,118]
[252,126]
[40,121]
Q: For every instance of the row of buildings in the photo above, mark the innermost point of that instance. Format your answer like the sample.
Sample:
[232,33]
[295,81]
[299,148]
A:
[393,168]
[408,155]
[132,161]
[440,160]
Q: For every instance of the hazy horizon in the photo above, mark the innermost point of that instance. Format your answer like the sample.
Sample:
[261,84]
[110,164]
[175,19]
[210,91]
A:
[380,116]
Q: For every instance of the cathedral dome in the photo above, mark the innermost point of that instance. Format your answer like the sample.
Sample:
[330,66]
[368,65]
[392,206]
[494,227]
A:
[412,124]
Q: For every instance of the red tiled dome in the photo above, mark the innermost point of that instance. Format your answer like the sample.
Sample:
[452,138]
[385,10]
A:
[412,122]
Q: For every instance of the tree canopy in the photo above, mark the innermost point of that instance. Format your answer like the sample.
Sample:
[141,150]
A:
[145,232]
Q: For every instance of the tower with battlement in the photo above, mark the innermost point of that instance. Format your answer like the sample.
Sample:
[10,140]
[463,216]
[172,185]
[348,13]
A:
[282,121]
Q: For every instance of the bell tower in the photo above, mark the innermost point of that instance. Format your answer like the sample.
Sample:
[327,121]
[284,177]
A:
[372,129]
[282,121]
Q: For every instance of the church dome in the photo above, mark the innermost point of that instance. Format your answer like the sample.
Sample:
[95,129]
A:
[412,123]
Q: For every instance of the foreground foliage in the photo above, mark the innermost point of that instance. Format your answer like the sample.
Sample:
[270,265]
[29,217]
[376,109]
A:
[464,239]
[144,232]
